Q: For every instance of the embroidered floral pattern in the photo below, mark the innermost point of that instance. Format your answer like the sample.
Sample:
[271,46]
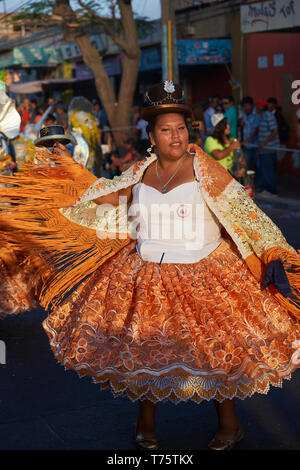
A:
[182,331]
[274,355]
[255,236]
[252,215]
[227,358]
[17,284]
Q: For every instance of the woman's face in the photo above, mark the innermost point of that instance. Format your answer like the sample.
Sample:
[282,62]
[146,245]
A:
[227,129]
[170,136]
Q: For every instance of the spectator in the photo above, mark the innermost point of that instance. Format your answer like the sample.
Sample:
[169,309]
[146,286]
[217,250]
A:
[136,115]
[103,118]
[231,114]
[283,128]
[220,145]
[50,120]
[198,127]
[144,142]
[61,119]
[212,109]
[267,137]
[131,156]
[298,128]
[50,101]
[142,128]
[33,111]
[250,124]
[97,111]
[25,116]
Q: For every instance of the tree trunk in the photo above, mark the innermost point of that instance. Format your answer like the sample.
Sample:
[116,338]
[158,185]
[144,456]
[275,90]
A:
[130,64]
[118,110]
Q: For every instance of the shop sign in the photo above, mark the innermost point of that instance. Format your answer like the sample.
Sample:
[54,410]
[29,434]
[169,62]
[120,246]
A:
[70,50]
[270,15]
[210,51]
[31,56]
[112,66]
[183,4]
[150,59]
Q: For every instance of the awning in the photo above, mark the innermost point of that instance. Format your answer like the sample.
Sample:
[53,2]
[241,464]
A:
[38,85]
[31,56]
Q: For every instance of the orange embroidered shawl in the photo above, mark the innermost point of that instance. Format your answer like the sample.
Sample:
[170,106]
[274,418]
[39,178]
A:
[54,216]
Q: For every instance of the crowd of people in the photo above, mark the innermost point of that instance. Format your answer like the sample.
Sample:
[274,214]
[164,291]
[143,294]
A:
[254,130]
[257,129]
[251,131]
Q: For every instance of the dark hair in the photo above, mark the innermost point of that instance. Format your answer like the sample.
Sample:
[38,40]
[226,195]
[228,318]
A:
[50,117]
[247,99]
[229,98]
[152,123]
[60,106]
[218,132]
[272,100]
[213,97]
[198,113]
[130,141]
[33,101]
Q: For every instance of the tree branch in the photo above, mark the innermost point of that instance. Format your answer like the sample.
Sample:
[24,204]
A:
[129,30]
[117,40]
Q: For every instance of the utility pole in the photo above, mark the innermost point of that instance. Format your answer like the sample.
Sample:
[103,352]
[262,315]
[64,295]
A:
[169,49]
[22,21]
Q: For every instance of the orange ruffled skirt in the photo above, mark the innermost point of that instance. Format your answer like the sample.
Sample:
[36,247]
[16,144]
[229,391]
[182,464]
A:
[176,331]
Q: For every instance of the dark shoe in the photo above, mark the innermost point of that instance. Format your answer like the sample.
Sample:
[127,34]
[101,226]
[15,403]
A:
[145,443]
[228,444]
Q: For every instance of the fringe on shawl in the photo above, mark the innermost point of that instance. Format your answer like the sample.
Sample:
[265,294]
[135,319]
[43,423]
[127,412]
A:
[32,222]
[291,264]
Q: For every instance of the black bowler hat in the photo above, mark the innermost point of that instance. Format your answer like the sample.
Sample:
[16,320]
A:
[166,97]
[50,134]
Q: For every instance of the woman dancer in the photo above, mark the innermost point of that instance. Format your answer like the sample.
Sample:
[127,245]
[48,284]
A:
[190,314]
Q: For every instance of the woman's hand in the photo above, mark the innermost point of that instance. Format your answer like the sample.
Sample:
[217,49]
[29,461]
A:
[235,145]
[240,173]
[61,150]
[114,198]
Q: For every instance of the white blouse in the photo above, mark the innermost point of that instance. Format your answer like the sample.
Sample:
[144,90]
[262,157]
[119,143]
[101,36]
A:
[173,227]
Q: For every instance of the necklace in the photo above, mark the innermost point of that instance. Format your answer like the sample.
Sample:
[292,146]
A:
[163,189]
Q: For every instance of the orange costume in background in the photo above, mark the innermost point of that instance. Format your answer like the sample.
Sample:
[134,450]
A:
[159,331]
[19,284]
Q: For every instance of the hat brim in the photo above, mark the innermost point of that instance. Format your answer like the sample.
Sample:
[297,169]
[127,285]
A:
[151,112]
[48,140]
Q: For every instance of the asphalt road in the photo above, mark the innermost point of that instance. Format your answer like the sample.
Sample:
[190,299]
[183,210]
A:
[44,407]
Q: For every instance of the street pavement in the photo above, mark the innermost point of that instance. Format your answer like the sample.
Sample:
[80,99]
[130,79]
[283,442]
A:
[44,407]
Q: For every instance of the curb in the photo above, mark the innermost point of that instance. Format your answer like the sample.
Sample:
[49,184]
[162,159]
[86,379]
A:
[280,202]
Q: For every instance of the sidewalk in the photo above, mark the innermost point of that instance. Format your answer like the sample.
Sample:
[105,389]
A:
[288,194]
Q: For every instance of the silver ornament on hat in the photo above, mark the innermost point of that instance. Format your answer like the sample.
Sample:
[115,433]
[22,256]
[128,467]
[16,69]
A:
[169,86]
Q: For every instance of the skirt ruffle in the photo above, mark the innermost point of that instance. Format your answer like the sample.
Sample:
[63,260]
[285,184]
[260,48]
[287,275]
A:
[176,331]
[19,284]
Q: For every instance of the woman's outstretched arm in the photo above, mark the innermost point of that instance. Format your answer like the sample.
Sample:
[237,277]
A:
[114,198]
